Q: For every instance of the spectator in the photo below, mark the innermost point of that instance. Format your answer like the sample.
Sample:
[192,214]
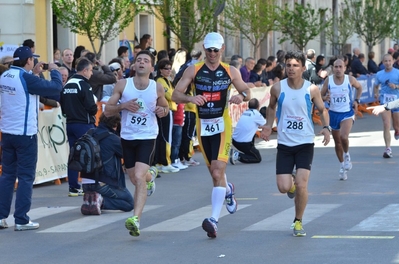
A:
[371,65]
[312,74]
[136,50]
[356,65]
[235,63]
[279,72]
[178,122]
[247,68]
[79,107]
[19,108]
[179,60]
[244,135]
[237,58]
[117,67]
[256,76]
[146,42]
[64,74]
[101,75]
[7,61]
[320,61]
[67,59]
[165,124]
[280,57]
[31,44]
[110,192]
[77,54]
[57,57]
[162,54]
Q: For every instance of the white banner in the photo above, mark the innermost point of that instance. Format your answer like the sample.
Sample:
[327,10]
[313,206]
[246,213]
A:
[7,50]
[53,147]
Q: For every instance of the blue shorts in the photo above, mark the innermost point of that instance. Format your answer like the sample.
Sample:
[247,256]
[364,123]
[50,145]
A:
[336,118]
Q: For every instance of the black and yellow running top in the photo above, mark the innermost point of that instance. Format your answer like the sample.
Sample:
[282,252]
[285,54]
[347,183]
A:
[215,86]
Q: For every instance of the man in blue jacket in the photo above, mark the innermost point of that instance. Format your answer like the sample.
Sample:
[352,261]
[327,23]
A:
[20,92]
[109,192]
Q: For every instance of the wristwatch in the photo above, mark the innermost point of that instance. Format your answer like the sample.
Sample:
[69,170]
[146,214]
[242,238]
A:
[357,101]
[244,94]
[328,128]
[386,107]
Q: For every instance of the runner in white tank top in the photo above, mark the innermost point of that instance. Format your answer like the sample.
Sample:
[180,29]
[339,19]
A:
[295,132]
[141,99]
[337,89]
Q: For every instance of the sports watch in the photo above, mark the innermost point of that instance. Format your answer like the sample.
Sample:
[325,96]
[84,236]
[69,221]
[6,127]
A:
[244,94]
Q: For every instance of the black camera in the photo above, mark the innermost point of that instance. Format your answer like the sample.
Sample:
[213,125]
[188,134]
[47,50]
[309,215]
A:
[45,66]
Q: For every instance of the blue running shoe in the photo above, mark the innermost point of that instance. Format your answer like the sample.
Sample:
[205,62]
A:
[231,203]
[210,226]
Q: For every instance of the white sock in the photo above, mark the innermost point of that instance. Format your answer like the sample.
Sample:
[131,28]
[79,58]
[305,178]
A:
[228,189]
[218,195]
[342,164]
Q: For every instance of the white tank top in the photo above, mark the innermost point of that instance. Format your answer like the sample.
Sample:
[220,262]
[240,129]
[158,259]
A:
[294,115]
[340,95]
[143,123]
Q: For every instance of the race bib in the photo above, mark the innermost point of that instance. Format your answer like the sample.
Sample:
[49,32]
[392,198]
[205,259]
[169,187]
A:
[135,120]
[339,99]
[212,126]
[389,98]
[293,124]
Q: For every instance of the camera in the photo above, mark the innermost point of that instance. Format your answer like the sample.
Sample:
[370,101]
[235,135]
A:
[45,66]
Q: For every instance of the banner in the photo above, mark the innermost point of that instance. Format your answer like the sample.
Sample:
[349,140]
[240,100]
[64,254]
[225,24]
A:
[53,147]
[260,93]
[7,50]
[367,82]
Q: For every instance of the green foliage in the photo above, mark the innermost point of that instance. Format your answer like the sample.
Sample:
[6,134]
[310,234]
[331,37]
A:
[373,20]
[254,19]
[101,20]
[341,29]
[301,24]
[189,20]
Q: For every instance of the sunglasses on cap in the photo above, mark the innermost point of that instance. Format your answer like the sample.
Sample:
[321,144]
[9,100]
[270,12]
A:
[212,49]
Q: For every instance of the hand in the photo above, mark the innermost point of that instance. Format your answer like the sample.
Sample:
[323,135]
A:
[38,68]
[377,109]
[131,105]
[265,133]
[52,66]
[198,100]
[323,74]
[326,135]
[236,99]
[161,111]
[327,98]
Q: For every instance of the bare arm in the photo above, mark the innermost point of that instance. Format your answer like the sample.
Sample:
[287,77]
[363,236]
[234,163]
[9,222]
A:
[111,107]
[325,118]
[241,87]
[271,111]
[162,108]
[324,91]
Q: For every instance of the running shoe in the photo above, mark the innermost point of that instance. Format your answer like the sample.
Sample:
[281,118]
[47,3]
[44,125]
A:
[179,165]
[29,226]
[133,225]
[169,169]
[388,153]
[151,184]
[343,176]
[3,224]
[191,162]
[298,229]
[92,203]
[347,163]
[73,192]
[396,135]
[210,226]
[231,203]
[233,156]
[291,193]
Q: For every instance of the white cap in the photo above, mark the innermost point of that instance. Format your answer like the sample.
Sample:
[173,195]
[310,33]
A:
[213,40]
[114,66]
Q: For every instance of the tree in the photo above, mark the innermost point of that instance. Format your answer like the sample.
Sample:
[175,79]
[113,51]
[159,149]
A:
[301,24]
[254,19]
[189,20]
[373,20]
[101,20]
[341,29]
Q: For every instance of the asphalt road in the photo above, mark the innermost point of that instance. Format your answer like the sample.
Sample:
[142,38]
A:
[353,221]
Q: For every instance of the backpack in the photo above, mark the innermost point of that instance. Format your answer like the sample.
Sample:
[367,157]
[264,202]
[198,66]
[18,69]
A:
[85,155]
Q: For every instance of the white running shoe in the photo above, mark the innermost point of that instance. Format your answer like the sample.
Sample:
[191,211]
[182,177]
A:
[179,165]
[342,174]
[388,153]
[169,169]
[347,163]
[234,154]
[191,162]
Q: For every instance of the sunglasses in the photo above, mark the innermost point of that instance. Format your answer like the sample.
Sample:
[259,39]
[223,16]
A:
[168,69]
[212,49]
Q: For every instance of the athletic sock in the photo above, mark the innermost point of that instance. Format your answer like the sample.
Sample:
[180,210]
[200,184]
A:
[296,219]
[218,195]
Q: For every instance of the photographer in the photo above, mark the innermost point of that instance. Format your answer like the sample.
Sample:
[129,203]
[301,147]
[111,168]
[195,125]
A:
[101,75]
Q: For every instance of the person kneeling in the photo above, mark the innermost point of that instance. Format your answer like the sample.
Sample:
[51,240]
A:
[244,135]
[109,192]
